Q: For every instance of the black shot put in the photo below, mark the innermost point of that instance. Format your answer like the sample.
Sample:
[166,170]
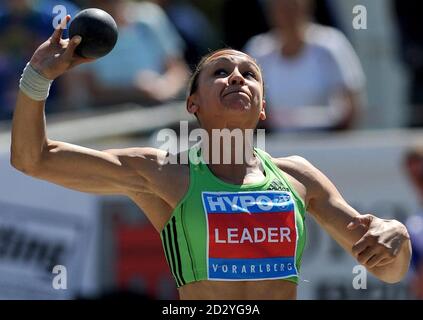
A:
[98,30]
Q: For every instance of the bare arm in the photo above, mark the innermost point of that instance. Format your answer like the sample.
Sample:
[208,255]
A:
[382,246]
[83,169]
[72,166]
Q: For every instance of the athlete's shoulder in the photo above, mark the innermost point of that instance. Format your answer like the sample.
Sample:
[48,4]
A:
[298,167]
[293,162]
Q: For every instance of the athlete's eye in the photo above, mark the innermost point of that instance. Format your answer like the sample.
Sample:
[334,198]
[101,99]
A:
[250,74]
[220,72]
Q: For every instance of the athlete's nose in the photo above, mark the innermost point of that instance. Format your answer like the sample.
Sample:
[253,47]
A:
[236,78]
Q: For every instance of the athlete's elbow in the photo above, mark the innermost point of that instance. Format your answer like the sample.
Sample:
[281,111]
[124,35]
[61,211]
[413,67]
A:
[30,161]
[29,169]
[28,166]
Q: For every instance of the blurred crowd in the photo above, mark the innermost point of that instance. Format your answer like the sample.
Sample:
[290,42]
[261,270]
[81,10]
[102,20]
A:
[313,77]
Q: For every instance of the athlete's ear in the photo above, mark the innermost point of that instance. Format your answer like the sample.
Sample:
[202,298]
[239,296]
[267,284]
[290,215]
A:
[262,115]
[192,105]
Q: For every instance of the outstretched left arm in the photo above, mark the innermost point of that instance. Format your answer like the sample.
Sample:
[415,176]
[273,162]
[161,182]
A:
[382,246]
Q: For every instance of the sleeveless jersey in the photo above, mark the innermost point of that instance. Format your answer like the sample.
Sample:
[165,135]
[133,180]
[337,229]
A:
[228,232]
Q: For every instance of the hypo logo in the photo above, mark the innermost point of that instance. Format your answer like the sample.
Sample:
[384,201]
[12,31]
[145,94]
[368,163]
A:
[246,202]
[251,235]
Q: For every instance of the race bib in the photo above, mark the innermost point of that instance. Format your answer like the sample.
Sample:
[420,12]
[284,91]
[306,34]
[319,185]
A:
[251,235]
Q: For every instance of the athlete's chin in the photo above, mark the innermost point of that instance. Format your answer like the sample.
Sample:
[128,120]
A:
[239,106]
[237,102]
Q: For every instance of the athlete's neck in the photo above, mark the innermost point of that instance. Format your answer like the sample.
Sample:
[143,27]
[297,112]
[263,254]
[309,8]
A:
[231,162]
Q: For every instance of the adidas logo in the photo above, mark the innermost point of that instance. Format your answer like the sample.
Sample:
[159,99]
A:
[278,186]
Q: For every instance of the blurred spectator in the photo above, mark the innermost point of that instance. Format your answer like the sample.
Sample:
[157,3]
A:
[312,76]
[193,26]
[237,33]
[146,66]
[22,30]
[414,167]
[409,16]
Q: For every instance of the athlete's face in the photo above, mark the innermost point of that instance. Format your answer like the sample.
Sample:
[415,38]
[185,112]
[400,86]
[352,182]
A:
[230,92]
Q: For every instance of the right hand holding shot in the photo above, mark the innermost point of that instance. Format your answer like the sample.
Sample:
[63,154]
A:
[55,56]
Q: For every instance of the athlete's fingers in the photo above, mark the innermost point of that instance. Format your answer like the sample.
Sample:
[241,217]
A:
[359,246]
[375,260]
[385,261]
[366,255]
[362,220]
[57,34]
[70,49]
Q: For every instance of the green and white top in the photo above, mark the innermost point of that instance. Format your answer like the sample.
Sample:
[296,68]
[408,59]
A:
[227,232]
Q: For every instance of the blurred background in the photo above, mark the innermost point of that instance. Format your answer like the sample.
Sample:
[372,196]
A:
[344,89]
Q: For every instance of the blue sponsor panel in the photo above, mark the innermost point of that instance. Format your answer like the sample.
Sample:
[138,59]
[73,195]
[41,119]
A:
[250,269]
[251,202]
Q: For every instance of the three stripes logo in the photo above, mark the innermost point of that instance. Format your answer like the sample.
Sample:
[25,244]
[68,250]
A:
[277,185]
[172,252]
